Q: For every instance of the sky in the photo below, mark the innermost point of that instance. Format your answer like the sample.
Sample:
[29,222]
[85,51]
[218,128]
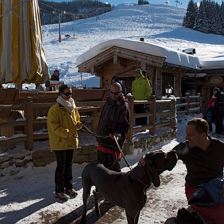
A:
[27,197]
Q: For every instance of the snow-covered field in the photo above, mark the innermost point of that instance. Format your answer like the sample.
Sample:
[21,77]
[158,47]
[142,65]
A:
[158,24]
[28,196]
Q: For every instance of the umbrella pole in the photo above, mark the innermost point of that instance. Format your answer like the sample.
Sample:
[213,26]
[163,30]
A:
[19,86]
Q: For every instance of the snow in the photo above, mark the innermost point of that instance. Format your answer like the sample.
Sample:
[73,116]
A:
[27,197]
[213,63]
[171,56]
[159,25]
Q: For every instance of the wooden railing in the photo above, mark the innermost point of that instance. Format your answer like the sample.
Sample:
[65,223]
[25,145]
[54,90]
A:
[29,122]
[159,114]
[188,104]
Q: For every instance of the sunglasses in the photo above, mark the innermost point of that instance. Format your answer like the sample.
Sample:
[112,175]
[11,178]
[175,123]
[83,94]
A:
[115,93]
[67,94]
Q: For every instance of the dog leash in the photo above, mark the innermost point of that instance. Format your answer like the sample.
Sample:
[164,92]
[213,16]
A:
[123,156]
[92,133]
[105,136]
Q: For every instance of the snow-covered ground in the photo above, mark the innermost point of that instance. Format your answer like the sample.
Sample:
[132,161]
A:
[158,24]
[28,196]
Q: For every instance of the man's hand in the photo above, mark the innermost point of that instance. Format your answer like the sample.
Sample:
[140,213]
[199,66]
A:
[75,135]
[111,136]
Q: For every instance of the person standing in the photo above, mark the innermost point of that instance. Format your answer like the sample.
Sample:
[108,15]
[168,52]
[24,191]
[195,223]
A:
[141,87]
[113,122]
[63,123]
[55,77]
[219,110]
[116,79]
[141,90]
[210,112]
[204,161]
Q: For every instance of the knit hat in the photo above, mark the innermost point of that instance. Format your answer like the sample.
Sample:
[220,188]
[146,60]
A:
[63,87]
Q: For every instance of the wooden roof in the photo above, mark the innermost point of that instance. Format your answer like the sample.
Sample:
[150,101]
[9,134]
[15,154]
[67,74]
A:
[114,54]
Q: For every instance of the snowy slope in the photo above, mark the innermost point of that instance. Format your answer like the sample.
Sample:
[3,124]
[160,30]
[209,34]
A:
[158,24]
[28,196]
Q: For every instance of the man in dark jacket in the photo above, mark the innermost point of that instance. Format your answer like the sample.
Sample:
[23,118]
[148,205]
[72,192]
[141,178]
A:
[218,110]
[113,122]
[204,160]
[116,79]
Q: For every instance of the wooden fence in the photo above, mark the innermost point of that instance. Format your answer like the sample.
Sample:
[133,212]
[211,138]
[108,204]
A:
[158,114]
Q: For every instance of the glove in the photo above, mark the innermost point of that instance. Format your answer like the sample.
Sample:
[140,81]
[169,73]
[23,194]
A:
[79,125]
[181,149]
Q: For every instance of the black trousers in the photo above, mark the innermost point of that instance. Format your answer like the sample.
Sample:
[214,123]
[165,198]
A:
[63,172]
[219,123]
[109,161]
[140,108]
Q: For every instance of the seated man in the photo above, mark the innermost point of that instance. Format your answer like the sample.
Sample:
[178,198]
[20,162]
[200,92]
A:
[204,160]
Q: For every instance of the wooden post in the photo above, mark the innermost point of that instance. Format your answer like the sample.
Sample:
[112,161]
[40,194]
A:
[187,100]
[7,116]
[29,125]
[174,109]
[95,119]
[152,110]
[200,102]
[131,117]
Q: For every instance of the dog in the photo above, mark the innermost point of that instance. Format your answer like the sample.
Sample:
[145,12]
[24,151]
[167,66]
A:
[182,148]
[127,190]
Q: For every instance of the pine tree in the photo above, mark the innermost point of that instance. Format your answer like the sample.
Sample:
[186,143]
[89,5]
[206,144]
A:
[222,18]
[189,19]
[201,21]
[216,14]
[143,2]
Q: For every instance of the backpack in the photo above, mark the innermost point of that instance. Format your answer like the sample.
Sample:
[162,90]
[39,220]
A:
[209,194]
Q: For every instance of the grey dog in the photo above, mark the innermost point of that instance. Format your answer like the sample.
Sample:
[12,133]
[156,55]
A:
[127,190]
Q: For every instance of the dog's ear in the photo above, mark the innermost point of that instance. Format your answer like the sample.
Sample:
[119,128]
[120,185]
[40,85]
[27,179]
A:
[155,176]
[153,159]
[171,159]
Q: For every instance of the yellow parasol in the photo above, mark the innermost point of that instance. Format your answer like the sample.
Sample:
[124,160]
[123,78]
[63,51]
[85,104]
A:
[22,57]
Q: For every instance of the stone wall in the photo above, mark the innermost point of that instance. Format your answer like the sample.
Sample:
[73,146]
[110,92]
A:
[12,162]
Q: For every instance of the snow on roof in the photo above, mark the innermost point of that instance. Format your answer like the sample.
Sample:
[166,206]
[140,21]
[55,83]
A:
[213,63]
[171,56]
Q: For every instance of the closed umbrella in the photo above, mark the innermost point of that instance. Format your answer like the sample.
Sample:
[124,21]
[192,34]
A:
[22,57]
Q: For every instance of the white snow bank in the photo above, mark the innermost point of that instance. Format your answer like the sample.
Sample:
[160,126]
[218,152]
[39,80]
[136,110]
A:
[171,56]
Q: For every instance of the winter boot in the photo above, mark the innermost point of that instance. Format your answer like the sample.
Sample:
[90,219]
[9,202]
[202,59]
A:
[71,193]
[62,196]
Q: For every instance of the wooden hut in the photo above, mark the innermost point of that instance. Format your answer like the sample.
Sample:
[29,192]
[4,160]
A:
[163,66]
[122,57]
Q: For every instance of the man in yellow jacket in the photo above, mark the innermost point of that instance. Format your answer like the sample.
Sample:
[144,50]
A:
[63,123]
[141,90]
[141,87]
